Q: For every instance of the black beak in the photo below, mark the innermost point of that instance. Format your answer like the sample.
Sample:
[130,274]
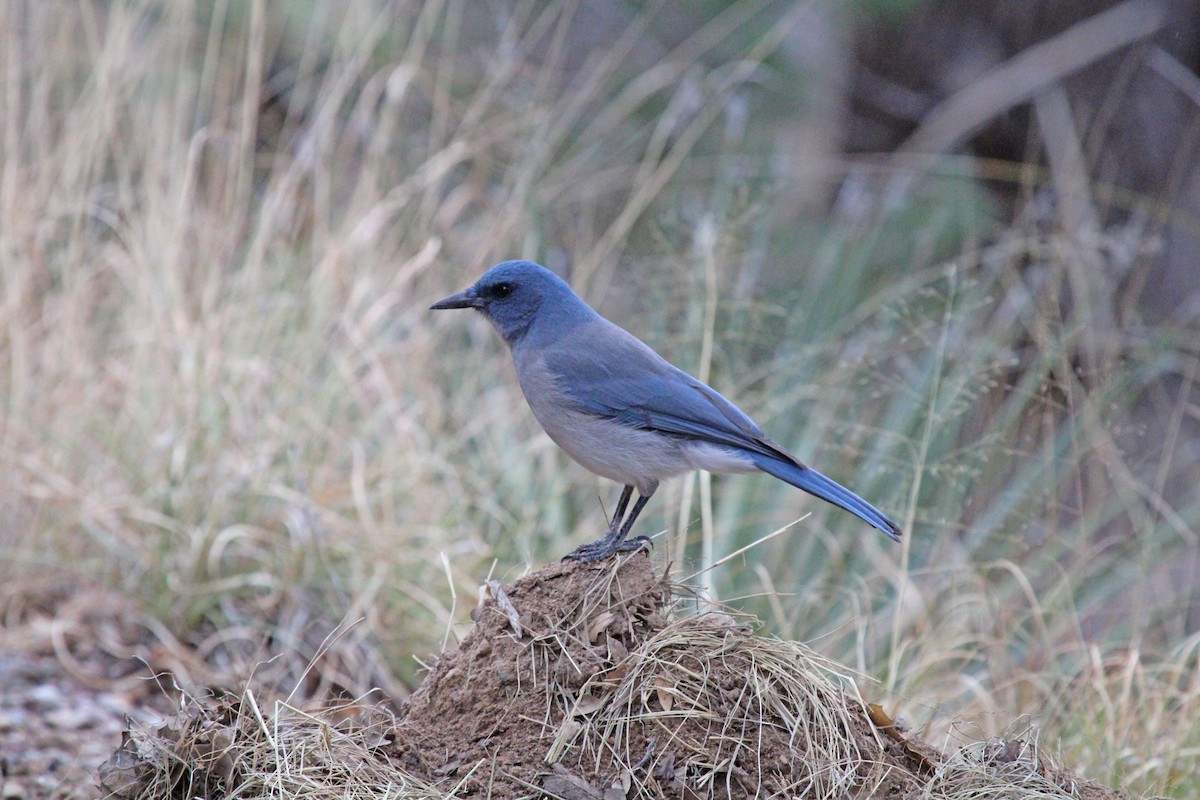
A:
[464,299]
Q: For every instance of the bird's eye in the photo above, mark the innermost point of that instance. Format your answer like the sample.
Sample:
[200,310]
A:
[502,290]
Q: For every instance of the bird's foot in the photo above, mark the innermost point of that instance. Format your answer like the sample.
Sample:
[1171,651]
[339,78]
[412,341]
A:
[606,547]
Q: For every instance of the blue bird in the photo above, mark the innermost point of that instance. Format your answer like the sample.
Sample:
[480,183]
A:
[622,411]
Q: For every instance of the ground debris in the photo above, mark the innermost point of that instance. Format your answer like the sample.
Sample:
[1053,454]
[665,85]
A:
[579,682]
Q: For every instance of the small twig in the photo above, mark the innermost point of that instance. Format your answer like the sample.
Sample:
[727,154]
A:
[645,760]
[886,725]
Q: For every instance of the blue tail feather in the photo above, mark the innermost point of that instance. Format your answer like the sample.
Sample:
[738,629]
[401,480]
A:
[828,490]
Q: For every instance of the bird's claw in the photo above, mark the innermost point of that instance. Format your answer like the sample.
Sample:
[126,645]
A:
[607,547]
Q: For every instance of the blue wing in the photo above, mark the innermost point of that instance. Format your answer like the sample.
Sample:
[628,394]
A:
[628,382]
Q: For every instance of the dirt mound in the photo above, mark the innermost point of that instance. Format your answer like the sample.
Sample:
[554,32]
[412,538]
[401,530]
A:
[579,682]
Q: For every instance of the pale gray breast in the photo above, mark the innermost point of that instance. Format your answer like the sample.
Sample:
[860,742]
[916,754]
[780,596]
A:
[608,448]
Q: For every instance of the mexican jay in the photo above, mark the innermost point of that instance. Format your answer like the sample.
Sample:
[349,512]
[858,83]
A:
[619,409]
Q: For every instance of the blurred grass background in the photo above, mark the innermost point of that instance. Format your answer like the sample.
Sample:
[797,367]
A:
[221,226]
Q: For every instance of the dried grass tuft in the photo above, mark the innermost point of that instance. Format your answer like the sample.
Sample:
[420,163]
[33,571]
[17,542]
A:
[1009,768]
[713,707]
[230,746]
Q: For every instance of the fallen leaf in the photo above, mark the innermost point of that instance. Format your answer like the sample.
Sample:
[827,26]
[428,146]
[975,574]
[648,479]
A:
[598,623]
[618,672]
[569,729]
[664,690]
[563,784]
[588,704]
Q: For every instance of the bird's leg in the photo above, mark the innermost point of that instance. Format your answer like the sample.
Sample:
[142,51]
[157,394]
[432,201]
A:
[615,524]
[615,541]
[625,544]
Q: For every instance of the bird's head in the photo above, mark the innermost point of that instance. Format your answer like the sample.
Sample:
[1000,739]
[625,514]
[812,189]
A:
[515,294]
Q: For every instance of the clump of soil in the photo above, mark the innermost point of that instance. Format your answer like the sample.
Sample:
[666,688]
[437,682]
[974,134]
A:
[579,682]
